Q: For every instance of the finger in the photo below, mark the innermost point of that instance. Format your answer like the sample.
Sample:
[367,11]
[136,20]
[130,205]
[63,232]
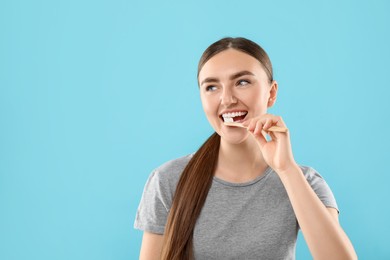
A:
[266,136]
[260,138]
[273,136]
[278,121]
[252,125]
[268,123]
[258,128]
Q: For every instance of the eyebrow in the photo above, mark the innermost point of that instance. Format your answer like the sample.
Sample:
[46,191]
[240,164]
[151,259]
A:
[232,77]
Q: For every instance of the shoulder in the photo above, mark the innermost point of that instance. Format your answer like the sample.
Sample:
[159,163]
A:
[158,193]
[167,175]
[320,186]
[173,167]
[171,170]
[310,173]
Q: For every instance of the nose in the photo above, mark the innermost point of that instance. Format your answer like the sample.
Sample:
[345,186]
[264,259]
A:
[227,97]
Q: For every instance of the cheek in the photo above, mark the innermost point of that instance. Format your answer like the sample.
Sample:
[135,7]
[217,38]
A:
[257,100]
[209,105]
[253,97]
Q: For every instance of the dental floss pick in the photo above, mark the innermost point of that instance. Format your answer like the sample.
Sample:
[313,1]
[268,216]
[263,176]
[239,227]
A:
[271,129]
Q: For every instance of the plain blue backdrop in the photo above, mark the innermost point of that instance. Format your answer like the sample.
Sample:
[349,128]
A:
[95,94]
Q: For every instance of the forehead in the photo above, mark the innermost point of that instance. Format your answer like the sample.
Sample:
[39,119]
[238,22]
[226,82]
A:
[229,62]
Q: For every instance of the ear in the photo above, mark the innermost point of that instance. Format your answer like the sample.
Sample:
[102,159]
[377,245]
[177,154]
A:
[272,94]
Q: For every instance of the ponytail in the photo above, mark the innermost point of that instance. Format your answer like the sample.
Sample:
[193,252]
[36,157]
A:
[190,196]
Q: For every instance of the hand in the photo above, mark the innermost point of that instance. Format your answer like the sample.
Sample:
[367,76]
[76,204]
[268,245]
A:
[277,152]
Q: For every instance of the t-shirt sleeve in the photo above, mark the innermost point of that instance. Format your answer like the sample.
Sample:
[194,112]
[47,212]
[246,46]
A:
[320,187]
[153,209]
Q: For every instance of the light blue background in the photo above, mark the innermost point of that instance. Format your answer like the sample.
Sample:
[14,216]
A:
[96,94]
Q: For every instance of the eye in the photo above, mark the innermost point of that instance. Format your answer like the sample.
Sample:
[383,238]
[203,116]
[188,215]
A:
[243,82]
[210,88]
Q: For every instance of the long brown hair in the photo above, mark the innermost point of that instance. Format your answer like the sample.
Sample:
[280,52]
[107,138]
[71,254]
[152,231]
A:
[196,179]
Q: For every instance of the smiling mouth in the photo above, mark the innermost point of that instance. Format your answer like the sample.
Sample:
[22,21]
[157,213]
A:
[234,117]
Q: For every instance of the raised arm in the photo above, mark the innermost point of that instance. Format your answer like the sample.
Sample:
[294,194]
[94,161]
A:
[320,227]
[323,234]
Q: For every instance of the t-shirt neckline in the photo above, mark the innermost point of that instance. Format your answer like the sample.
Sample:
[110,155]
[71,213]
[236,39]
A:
[243,184]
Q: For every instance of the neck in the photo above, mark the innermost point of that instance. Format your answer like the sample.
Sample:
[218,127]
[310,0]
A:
[240,162]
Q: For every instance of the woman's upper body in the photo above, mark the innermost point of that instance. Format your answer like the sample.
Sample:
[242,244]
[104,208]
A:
[251,220]
[236,84]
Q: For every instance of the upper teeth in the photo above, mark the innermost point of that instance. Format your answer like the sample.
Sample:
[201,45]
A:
[234,114]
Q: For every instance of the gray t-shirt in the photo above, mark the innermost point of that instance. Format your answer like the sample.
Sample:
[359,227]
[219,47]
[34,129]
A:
[253,220]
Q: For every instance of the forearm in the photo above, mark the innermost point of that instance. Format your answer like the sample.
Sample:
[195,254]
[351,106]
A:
[323,234]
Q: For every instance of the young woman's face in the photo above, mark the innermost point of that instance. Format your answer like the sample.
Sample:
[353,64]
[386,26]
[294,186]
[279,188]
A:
[234,86]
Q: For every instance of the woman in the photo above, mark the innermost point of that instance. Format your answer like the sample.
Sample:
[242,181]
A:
[241,195]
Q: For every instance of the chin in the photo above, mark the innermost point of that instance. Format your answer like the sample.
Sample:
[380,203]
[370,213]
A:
[234,138]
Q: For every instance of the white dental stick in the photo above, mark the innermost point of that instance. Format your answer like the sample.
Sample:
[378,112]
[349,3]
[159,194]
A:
[271,129]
